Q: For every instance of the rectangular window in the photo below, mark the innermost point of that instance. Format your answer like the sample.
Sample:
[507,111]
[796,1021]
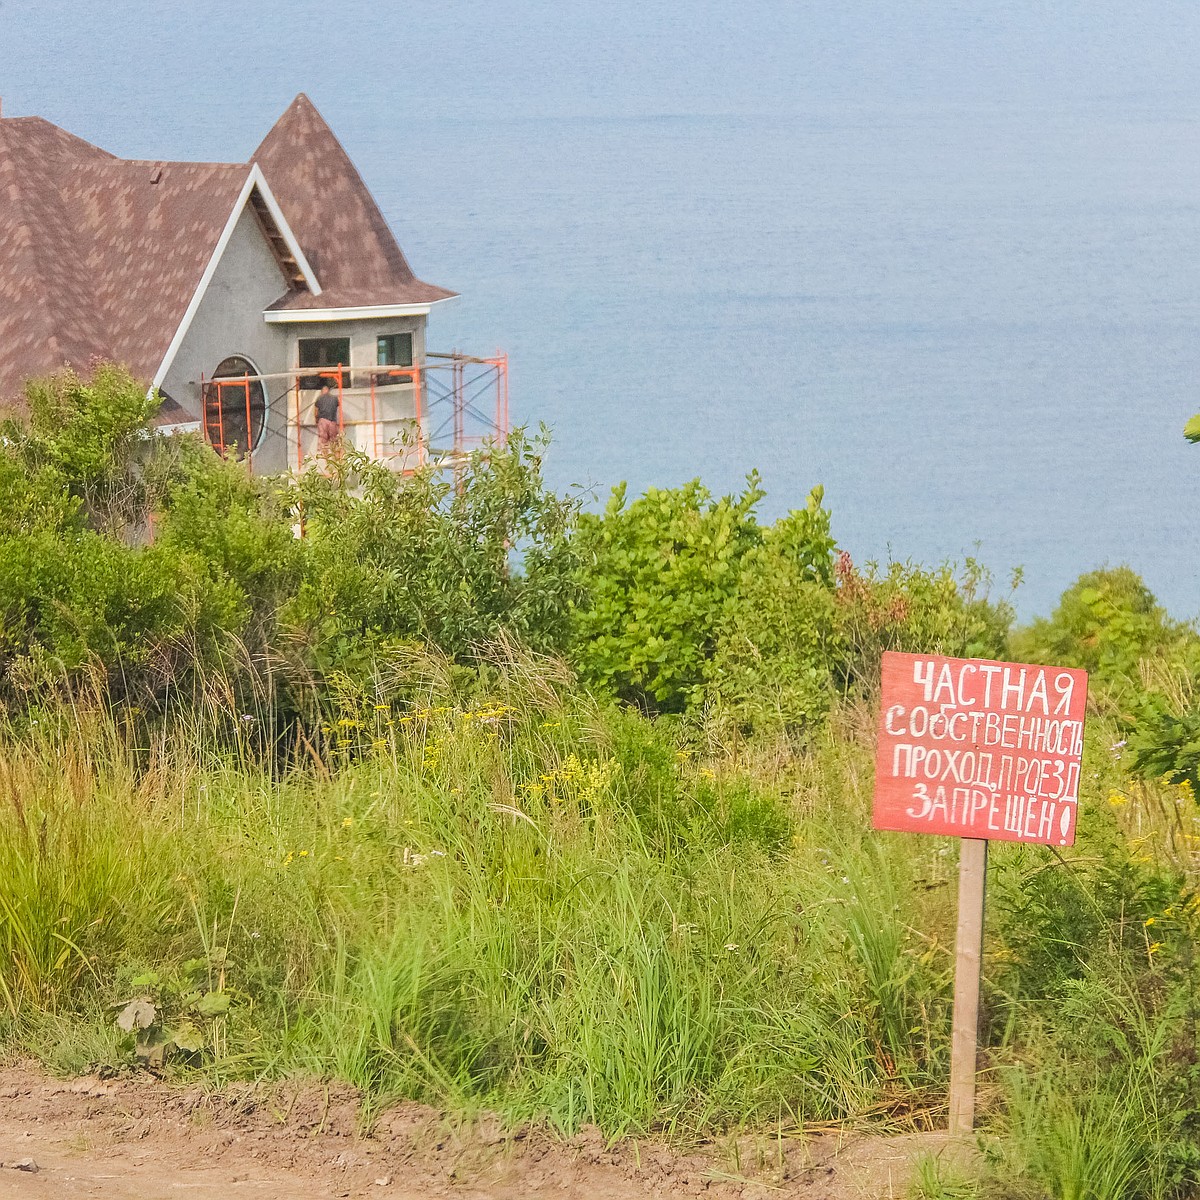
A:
[324,352]
[394,350]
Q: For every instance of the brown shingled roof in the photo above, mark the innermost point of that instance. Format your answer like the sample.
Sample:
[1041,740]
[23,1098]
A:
[335,218]
[101,256]
[46,319]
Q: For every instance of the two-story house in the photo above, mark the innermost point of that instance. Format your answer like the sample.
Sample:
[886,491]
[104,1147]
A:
[232,288]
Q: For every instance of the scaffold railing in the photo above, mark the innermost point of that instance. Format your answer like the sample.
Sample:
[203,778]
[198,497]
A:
[405,416]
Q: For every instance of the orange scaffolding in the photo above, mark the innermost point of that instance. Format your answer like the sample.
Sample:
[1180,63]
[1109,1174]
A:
[436,411]
[214,408]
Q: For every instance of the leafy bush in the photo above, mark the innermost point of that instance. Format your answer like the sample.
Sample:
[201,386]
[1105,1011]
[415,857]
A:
[236,529]
[1166,745]
[132,563]
[660,572]
[910,608]
[1144,667]
[1105,623]
[87,598]
[89,436]
[449,561]
[778,644]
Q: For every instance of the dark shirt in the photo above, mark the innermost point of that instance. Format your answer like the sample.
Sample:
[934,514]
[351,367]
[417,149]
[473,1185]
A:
[327,407]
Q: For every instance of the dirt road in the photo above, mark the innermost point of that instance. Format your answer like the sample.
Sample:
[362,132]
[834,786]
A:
[139,1139]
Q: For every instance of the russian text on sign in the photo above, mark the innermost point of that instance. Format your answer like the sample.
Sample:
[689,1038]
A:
[979,749]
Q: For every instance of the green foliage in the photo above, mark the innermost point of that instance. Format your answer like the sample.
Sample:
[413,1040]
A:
[133,564]
[234,529]
[1117,1118]
[130,564]
[910,608]
[1191,430]
[85,602]
[88,435]
[677,808]
[778,644]
[442,869]
[472,911]
[452,562]
[1143,667]
[78,873]
[1166,745]
[1105,623]
[660,571]
[692,604]
[185,1014]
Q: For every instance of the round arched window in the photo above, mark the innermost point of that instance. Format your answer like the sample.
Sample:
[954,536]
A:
[235,407]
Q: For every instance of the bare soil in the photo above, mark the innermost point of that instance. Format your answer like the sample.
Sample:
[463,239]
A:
[137,1137]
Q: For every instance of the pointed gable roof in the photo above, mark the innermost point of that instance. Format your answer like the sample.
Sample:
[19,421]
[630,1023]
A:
[107,257]
[335,218]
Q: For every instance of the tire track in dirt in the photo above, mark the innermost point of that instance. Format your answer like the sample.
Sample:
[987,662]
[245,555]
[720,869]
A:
[137,1138]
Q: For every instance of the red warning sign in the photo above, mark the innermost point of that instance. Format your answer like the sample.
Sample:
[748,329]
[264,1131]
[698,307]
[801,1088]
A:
[979,749]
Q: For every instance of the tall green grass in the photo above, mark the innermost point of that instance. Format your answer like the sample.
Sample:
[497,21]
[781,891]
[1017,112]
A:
[507,895]
[526,901]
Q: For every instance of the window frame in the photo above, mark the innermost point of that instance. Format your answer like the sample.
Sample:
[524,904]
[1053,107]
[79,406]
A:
[390,340]
[387,378]
[312,383]
[220,381]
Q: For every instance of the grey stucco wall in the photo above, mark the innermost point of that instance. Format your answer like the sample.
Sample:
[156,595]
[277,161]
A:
[230,321]
[362,335]
[395,405]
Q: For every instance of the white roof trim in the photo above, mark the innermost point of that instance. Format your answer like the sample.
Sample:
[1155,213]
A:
[177,428]
[289,316]
[259,180]
[255,179]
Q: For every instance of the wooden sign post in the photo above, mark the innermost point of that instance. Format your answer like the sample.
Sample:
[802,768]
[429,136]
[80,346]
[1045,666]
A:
[982,751]
[968,959]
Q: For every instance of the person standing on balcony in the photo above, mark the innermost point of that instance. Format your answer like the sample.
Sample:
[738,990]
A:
[326,409]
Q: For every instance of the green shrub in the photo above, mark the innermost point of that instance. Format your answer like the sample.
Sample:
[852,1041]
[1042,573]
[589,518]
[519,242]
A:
[1105,622]
[915,609]
[449,561]
[90,437]
[133,564]
[239,528]
[1165,744]
[659,572]
[778,646]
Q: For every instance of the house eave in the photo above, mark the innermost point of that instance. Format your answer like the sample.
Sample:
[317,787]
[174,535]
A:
[366,312]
